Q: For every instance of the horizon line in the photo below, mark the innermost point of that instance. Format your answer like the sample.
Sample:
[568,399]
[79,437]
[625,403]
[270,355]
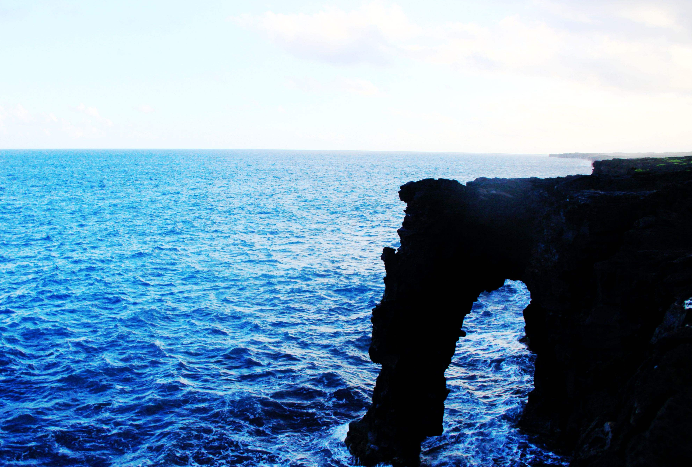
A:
[411,151]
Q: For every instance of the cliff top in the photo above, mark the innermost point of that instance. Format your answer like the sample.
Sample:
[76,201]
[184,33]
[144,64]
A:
[600,156]
[643,166]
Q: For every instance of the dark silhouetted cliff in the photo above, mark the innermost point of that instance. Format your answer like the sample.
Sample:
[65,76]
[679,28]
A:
[608,261]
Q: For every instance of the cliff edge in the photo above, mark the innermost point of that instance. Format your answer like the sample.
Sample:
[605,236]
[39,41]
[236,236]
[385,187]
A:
[608,261]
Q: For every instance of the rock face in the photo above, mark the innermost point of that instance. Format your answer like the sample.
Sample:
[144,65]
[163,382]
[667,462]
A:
[608,261]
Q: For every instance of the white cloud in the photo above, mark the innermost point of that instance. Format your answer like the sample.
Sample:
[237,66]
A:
[306,84]
[511,44]
[93,113]
[356,86]
[632,60]
[666,14]
[368,34]
[147,109]
[362,87]
[16,114]
[633,46]
[516,46]
[651,15]
[21,113]
[21,123]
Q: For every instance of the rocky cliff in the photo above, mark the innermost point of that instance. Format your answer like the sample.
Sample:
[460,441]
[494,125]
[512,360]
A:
[608,261]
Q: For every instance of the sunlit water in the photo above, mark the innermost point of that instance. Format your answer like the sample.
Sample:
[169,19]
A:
[213,308]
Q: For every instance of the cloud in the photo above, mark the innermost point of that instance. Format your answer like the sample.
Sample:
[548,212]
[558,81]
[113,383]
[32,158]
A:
[369,34]
[362,87]
[91,111]
[15,115]
[640,46]
[667,14]
[356,86]
[306,84]
[94,114]
[517,46]
[21,113]
[651,16]
[147,109]
[629,46]
[21,123]
[511,44]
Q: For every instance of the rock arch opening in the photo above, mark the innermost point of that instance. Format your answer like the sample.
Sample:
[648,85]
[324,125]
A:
[489,379]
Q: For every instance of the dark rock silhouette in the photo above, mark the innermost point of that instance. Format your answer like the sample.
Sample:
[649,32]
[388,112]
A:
[608,261]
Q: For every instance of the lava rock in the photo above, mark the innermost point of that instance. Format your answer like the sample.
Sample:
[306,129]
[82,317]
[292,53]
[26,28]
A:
[608,261]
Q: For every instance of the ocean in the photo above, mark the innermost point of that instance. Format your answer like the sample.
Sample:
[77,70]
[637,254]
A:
[176,307]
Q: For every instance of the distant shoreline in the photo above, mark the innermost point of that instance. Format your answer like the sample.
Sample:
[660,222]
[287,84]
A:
[600,156]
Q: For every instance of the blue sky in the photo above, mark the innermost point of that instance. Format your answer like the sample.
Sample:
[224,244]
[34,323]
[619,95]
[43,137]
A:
[533,76]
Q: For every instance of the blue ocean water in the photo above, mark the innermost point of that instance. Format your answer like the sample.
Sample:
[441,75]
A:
[213,308]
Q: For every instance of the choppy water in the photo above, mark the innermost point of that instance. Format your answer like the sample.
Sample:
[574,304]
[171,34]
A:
[212,308]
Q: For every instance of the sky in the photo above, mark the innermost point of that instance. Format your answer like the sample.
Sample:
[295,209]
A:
[520,76]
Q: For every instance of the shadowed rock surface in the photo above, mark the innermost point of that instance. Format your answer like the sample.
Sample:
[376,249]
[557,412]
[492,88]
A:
[608,261]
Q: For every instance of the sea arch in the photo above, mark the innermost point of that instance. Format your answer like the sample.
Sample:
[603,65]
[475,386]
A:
[451,251]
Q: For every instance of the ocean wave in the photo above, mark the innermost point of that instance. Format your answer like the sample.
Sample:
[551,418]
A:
[213,308]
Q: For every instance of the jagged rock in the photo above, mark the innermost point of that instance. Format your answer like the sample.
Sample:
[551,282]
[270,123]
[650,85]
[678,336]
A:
[608,261]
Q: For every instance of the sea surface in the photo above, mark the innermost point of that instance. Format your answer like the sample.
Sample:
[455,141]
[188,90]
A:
[213,308]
